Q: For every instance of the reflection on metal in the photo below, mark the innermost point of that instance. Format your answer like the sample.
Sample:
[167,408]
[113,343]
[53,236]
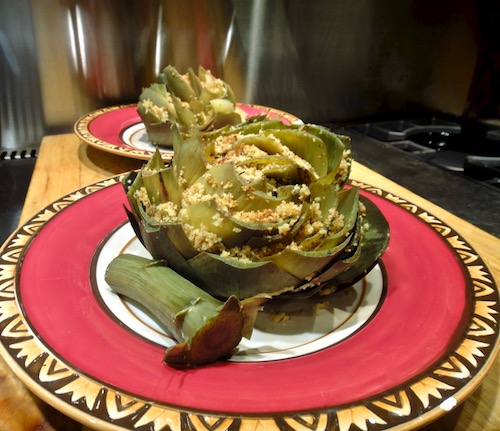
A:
[326,60]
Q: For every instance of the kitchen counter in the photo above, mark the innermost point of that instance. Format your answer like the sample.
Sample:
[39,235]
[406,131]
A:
[65,164]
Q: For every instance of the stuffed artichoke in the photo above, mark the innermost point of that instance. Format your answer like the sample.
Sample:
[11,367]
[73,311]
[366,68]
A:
[257,209]
[192,102]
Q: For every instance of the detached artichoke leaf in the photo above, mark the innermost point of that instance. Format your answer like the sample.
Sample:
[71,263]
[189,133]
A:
[206,329]
[224,277]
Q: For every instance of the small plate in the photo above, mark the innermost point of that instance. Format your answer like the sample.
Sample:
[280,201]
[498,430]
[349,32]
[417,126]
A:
[119,129]
[397,350]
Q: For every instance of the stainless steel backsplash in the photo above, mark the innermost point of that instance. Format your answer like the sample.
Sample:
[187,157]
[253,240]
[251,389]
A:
[323,60]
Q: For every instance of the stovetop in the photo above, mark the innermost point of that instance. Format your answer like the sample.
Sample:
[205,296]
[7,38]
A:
[468,147]
[450,163]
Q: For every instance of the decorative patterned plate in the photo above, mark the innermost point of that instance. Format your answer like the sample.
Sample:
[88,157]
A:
[119,129]
[395,351]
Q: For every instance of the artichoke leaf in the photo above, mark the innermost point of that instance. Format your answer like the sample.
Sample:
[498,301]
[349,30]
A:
[252,125]
[159,133]
[326,195]
[221,119]
[350,254]
[177,84]
[158,95]
[186,118]
[375,241]
[302,265]
[267,144]
[336,147]
[190,163]
[224,276]
[158,241]
[305,145]
[207,217]
[285,234]
[348,208]
[280,168]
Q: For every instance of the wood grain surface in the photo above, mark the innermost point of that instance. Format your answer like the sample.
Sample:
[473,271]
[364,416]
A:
[66,164]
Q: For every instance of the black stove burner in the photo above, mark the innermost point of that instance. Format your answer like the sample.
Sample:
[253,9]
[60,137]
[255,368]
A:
[468,147]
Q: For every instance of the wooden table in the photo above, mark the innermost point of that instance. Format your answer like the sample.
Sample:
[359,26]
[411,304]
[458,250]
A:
[66,164]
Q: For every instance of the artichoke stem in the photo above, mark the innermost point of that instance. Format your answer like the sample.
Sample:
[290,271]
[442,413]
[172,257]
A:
[206,329]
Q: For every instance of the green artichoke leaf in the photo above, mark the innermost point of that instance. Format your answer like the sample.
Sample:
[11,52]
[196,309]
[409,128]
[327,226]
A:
[171,186]
[153,183]
[375,240]
[223,118]
[224,276]
[195,82]
[134,180]
[177,84]
[222,106]
[169,243]
[251,126]
[185,116]
[280,168]
[189,162]
[305,145]
[301,264]
[212,87]
[206,218]
[197,106]
[159,133]
[286,230]
[350,254]
[348,208]
[336,146]
[224,180]
[265,143]
[327,197]
[159,96]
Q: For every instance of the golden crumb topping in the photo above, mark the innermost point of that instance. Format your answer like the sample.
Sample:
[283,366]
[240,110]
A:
[282,214]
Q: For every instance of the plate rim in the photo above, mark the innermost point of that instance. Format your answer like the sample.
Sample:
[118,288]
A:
[16,331]
[82,129]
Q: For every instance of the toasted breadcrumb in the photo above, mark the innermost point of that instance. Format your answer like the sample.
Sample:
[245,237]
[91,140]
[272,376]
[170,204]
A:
[296,213]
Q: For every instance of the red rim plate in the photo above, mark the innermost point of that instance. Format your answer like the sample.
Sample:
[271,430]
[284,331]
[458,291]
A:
[103,128]
[411,357]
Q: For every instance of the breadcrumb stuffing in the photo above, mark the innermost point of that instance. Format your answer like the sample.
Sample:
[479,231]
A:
[297,222]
